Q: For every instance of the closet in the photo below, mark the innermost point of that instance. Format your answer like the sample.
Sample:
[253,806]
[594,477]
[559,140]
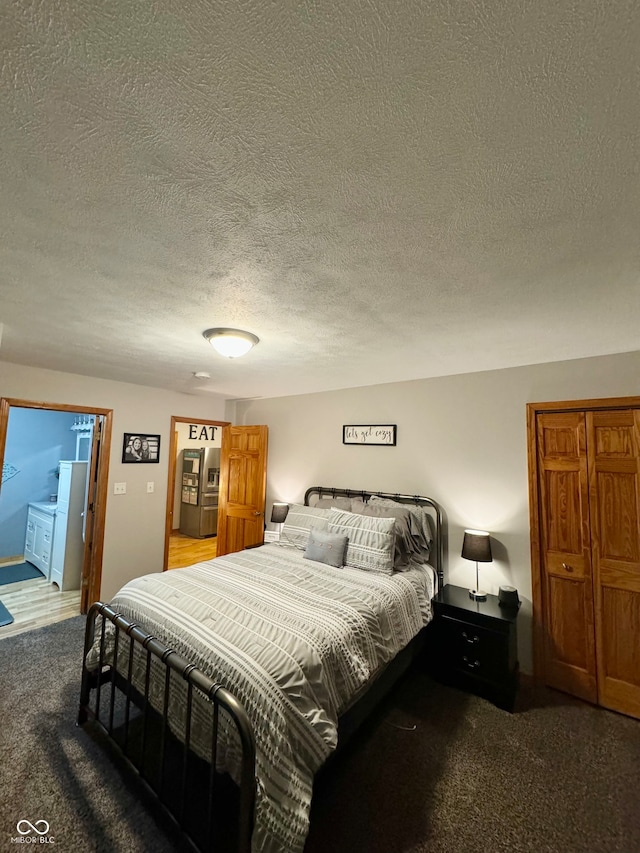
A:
[584,482]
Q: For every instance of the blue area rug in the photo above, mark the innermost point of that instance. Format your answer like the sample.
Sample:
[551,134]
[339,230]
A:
[21,572]
[5,617]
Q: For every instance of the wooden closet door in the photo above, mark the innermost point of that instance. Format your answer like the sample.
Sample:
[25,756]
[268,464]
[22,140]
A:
[613,440]
[567,594]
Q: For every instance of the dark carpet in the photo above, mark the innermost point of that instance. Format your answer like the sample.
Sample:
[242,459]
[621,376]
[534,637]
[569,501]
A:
[19,572]
[5,617]
[558,776]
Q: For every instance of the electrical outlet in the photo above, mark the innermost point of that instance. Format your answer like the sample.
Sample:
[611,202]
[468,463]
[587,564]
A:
[119,488]
[150,487]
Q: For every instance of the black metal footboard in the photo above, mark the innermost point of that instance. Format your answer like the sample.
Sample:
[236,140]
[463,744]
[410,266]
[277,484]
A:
[130,693]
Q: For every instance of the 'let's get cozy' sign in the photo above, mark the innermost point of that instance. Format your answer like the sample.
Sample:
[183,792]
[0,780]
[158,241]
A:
[381,434]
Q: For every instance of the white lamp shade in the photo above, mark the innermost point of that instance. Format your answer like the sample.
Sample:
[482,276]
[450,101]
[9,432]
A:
[231,343]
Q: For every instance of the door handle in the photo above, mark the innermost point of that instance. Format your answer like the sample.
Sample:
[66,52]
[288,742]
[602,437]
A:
[257,513]
[567,568]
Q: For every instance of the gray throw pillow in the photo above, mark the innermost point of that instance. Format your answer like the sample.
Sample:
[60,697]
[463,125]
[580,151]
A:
[325,547]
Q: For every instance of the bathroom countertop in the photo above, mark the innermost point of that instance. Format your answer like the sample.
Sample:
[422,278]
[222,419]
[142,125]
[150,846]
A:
[45,506]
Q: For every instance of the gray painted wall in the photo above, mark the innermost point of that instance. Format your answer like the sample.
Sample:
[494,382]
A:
[461,440]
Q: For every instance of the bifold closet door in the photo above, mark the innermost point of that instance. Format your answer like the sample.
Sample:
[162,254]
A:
[567,590]
[613,443]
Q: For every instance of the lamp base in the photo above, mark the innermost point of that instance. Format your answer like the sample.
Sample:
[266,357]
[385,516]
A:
[477,595]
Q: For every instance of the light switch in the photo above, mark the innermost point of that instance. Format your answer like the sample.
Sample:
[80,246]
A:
[119,488]
[150,487]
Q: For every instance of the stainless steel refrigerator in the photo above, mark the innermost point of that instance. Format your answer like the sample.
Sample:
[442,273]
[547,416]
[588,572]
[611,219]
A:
[200,490]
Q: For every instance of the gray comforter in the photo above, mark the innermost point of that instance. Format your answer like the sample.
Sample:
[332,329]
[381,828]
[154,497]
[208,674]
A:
[295,641]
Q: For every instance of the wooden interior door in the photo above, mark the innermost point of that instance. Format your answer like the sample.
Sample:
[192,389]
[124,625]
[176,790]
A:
[243,483]
[613,440]
[95,511]
[89,519]
[565,546]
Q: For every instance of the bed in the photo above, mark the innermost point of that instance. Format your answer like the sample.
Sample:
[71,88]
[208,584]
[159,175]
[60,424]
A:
[227,685]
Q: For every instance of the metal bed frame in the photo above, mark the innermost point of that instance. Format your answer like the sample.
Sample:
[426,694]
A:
[211,812]
[420,500]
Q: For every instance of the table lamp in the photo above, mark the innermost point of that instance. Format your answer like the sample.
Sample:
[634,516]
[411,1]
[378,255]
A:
[279,512]
[476,546]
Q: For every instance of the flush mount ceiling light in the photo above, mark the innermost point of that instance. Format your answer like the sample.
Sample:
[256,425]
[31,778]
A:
[231,343]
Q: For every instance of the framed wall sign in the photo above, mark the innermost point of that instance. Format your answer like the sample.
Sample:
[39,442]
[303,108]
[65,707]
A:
[139,447]
[380,434]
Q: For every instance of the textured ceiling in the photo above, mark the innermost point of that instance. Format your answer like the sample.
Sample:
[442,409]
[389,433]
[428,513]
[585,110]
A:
[379,190]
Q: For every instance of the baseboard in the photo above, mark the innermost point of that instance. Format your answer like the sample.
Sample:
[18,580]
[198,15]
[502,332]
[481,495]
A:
[12,561]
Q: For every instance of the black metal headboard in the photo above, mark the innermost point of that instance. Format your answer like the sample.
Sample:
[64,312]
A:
[420,500]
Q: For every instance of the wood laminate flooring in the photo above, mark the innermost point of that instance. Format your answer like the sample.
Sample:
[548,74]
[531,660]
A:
[184,550]
[35,603]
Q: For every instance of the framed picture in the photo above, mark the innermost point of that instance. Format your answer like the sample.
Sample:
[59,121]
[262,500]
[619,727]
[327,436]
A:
[379,434]
[139,447]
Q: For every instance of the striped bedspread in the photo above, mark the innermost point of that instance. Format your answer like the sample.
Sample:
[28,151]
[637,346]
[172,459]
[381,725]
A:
[295,641]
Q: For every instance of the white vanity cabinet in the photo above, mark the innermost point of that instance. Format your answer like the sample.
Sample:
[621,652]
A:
[68,545]
[39,537]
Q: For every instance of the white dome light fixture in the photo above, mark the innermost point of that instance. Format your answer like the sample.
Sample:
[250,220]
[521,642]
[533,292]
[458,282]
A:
[232,343]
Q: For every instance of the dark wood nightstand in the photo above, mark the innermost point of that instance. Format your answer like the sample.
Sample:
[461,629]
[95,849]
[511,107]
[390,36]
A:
[475,645]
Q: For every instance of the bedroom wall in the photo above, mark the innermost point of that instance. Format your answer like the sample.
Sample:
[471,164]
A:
[461,440]
[135,521]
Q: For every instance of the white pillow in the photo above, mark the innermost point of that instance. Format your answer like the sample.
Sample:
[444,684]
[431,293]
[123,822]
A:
[299,521]
[371,540]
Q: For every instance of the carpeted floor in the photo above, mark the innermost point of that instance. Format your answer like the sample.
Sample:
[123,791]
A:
[19,572]
[558,776]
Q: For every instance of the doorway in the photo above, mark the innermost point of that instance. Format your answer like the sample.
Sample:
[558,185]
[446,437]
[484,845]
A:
[93,445]
[181,549]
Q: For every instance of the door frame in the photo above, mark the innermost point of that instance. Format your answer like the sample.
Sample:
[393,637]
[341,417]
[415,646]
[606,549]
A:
[93,547]
[171,475]
[533,410]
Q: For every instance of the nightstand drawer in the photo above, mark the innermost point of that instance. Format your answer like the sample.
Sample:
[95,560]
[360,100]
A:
[474,649]
[475,645]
